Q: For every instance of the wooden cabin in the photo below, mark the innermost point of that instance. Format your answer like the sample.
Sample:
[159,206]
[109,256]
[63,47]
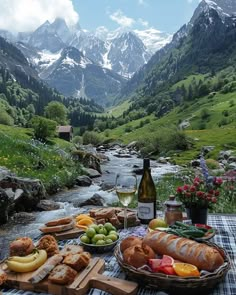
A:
[65,132]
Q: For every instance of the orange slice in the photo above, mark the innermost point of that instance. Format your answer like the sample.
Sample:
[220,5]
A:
[82,227]
[81,216]
[85,221]
[186,270]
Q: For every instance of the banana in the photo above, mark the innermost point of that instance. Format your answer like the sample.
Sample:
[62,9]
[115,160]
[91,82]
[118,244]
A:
[28,266]
[31,257]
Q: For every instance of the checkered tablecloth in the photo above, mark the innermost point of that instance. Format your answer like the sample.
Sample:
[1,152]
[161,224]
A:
[225,237]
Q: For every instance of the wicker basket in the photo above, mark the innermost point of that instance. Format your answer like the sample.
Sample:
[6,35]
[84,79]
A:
[175,284]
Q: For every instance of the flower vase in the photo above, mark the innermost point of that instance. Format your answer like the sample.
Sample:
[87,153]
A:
[197,215]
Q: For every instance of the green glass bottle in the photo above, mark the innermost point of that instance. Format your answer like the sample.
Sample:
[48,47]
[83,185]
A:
[146,195]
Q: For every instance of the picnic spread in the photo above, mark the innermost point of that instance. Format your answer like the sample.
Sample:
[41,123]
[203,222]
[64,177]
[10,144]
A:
[92,254]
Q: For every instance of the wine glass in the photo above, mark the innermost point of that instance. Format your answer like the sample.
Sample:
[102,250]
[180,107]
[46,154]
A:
[126,186]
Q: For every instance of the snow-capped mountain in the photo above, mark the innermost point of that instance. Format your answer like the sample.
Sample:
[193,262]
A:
[76,75]
[122,51]
[118,54]
[194,47]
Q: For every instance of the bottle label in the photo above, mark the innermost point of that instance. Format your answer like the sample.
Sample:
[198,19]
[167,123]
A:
[146,210]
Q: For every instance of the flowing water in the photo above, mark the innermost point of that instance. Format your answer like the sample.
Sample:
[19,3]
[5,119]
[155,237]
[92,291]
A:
[69,200]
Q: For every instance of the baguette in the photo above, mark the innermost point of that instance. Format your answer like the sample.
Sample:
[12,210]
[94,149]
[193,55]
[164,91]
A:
[59,221]
[45,269]
[185,250]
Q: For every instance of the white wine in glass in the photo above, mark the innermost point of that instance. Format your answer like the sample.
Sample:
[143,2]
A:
[126,186]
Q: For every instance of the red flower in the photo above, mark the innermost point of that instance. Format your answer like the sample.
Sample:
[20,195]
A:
[218,181]
[186,187]
[179,189]
[192,188]
[214,199]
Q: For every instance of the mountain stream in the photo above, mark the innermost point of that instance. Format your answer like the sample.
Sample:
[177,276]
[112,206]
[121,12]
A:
[119,160]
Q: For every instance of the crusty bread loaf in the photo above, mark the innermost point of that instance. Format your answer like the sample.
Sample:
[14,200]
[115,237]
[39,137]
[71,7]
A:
[185,250]
[71,249]
[59,221]
[77,261]
[62,274]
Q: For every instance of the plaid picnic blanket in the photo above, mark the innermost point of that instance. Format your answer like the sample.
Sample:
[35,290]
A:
[225,237]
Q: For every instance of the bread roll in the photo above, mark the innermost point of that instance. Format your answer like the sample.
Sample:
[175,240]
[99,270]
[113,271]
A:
[129,242]
[21,246]
[49,244]
[138,255]
[185,250]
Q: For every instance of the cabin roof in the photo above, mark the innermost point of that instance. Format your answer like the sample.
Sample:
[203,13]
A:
[64,129]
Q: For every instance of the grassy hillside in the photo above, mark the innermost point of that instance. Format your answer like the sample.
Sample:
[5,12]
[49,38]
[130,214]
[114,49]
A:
[26,157]
[209,120]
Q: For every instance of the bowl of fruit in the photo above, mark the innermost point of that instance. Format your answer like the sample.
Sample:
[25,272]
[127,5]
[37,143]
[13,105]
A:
[99,238]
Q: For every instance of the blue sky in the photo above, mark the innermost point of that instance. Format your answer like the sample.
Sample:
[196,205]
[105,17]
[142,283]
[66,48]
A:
[163,15]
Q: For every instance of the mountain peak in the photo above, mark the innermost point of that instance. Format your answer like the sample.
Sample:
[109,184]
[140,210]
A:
[224,8]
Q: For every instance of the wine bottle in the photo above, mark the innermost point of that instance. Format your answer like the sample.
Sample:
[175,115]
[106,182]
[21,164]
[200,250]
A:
[146,195]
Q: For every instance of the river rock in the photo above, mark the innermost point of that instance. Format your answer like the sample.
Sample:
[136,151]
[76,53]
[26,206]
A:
[107,186]
[162,160]
[95,200]
[23,217]
[5,203]
[224,155]
[33,192]
[4,172]
[232,159]
[83,180]
[195,163]
[132,145]
[120,155]
[92,173]
[48,205]
[87,159]
[138,171]
[232,166]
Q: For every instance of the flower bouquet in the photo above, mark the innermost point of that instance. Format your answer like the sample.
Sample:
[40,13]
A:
[200,195]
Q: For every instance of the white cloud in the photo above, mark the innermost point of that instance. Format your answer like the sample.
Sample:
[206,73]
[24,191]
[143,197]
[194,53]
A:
[27,15]
[142,2]
[143,22]
[119,17]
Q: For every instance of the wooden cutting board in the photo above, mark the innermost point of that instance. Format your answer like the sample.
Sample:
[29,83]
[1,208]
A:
[69,234]
[90,277]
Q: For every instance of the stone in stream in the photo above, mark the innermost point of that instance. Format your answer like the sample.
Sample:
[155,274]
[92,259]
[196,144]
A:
[83,180]
[96,200]
[92,173]
[48,205]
